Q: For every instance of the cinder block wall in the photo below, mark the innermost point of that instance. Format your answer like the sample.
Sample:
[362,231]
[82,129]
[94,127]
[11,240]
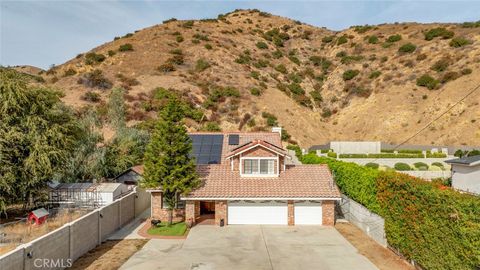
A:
[72,240]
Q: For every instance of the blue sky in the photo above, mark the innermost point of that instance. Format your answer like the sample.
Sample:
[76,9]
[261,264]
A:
[42,33]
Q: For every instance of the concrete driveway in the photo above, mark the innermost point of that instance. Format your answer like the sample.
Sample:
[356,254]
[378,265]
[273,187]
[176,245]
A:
[252,247]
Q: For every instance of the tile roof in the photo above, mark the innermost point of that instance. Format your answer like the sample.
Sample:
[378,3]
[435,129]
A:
[138,169]
[301,181]
[247,146]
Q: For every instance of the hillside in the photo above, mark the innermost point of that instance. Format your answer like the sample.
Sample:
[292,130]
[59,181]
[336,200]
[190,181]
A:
[247,66]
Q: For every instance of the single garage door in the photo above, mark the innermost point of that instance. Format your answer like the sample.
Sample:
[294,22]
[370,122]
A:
[308,212]
[257,212]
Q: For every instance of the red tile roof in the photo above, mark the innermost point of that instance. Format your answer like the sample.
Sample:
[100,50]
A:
[253,143]
[138,169]
[301,181]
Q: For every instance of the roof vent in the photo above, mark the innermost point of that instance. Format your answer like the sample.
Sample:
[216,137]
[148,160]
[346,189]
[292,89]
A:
[233,139]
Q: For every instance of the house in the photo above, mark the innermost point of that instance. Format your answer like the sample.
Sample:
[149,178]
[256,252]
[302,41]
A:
[466,173]
[131,176]
[245,180]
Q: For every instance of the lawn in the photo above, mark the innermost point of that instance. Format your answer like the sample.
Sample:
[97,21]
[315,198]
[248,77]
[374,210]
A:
[176,229]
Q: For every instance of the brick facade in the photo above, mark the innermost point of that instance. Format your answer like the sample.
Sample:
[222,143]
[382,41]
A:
[220,212]
[192,211]
[328,213]
[160,213]
[291,213]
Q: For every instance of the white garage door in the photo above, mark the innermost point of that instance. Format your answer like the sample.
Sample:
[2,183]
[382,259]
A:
[308,213]
[257,212]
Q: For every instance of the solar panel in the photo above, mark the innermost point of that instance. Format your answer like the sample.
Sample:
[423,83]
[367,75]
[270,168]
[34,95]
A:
[207,148]
[233,139]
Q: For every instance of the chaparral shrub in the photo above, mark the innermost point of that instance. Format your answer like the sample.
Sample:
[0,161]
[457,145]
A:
[427,81]
[438,32]
[458,42]
[394,38]
[407,48]
[350,74]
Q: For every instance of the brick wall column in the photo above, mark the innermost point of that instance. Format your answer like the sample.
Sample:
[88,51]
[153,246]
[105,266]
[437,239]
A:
[291,213]
[220,212]
[197,209]
[156,205]
[190,212]
[328,213]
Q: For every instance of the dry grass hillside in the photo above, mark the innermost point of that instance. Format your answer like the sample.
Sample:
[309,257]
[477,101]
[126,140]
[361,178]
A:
[247,68]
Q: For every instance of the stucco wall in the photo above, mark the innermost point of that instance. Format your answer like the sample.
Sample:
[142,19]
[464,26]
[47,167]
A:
[466,178]
[356,147]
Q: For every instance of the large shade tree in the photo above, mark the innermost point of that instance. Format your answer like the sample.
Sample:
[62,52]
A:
[37,134]
[168,164]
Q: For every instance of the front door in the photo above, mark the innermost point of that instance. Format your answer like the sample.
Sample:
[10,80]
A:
[207,207]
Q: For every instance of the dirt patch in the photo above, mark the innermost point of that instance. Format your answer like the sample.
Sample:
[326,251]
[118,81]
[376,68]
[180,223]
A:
[109,255]
[382,257]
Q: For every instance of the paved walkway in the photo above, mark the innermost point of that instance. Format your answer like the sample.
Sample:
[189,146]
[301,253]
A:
[130,231]
[252,247]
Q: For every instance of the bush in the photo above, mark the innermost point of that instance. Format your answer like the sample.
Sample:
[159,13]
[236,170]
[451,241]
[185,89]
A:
[176,59]
[93,58]
[441,65]
[111,53]
[262,45]
[400,166]
[350,74]
[91,96]
[342,40]
[421,166]
[277,54]
[69,72]
[362,28]
[255,91]
[425,222]
[407,48]
[427,81]
[296,89]
[375,74]
[317,96]
[271,119]
[243,59]
[179,39]
[372,165]
[438,32]
[471,24]
[294,59]
[449,76]
[281,68]
[95,79]
[458,42]
[320,61]
[188,24]
[436,155]
[167,67]
[466,71]
[332,154]
[126,47]
[394,38]
[201,65]
[327,39]
[211,126]
[372,39]
[438,164]
[208,46]
[170,20]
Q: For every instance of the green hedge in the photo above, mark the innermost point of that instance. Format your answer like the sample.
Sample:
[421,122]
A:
[382,155]
[439,229]
[355,181]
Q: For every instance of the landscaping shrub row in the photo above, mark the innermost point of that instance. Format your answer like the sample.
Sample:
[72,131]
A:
[388,155]
[436,226]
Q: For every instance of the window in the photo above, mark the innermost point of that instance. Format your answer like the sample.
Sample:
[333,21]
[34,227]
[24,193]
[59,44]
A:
[180,203]
[258,166]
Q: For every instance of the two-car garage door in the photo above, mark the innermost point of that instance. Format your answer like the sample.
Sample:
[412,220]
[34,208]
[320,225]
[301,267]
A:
[274,212]
[257,212]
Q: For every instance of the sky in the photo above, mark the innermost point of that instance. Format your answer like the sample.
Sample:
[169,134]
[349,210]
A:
[42,33]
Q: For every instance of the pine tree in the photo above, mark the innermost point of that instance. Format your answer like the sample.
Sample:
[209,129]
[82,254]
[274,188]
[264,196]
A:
[168,164]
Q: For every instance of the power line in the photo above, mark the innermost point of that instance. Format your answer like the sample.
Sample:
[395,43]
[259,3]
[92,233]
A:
[435,119]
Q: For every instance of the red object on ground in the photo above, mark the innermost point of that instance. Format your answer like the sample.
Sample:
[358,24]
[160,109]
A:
[38,216]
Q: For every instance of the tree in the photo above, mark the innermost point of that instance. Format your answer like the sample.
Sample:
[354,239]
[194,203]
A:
[168,164]
[37,134]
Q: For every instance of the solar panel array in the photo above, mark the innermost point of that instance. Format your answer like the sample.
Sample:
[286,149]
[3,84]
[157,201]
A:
[207,148]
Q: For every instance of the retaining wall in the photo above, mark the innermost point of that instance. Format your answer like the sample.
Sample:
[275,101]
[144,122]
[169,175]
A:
[59,248]
[372,224]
